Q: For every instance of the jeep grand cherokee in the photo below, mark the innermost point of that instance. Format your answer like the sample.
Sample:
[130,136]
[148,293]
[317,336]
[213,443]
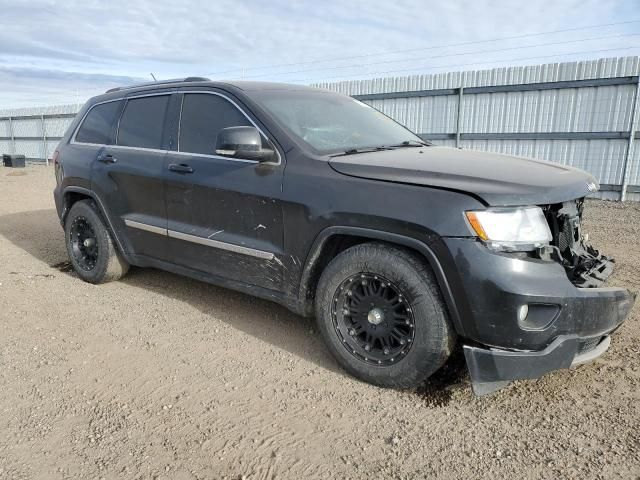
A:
[321,203]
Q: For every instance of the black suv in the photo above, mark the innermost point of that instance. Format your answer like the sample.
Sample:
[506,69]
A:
[323,204]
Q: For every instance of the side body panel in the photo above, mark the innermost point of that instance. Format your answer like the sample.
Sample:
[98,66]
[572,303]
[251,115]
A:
[221,205]
[317,200]
[132,188]
[225,217]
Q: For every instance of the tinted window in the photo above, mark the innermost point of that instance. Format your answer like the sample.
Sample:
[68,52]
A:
[203,116]
[329,122]
[97,126]
[142,122]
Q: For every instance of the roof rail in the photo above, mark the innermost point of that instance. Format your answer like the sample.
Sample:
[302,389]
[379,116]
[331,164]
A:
[162,82]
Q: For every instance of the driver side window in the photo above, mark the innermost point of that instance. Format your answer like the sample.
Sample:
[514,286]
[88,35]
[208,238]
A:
[203,116]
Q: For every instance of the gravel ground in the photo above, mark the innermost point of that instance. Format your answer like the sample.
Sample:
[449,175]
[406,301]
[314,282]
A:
[159,376]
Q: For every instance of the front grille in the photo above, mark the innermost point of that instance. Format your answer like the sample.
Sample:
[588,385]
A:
[587,344]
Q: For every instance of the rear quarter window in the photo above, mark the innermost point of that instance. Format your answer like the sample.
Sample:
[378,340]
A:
[98,125]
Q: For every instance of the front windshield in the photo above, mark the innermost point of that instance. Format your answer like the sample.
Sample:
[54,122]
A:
[332,123]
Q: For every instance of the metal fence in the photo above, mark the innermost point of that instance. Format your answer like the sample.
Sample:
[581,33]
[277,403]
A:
[34,132]
[583,114]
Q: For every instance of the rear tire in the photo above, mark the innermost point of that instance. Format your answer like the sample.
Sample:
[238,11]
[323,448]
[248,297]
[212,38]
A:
[90,247]
[381,314]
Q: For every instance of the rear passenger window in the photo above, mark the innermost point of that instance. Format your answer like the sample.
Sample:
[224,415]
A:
[203,116]
[142,122]
[97,126]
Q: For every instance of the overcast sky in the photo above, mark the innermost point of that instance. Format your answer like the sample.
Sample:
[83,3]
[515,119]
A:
[65,51]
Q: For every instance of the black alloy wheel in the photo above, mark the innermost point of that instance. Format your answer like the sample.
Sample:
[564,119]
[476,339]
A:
[90,247]
[84,244]
[373,319]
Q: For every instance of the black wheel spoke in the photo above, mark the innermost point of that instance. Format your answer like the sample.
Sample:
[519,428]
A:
[375,321]
[84,244]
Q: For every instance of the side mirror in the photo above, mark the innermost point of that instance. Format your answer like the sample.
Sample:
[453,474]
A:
[243,142]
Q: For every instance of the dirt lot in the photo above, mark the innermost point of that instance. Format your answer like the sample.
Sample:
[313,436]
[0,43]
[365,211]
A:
[159,376]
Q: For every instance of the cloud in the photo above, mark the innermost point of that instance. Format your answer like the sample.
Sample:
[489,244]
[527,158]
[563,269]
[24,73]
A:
[42,87]
[228,38]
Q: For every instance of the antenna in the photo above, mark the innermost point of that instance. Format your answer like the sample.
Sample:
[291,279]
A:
[154,77]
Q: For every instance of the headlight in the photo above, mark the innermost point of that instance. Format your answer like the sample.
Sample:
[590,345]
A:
[511,229]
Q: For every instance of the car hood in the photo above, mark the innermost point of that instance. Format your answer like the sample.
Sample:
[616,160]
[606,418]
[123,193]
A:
[499,180]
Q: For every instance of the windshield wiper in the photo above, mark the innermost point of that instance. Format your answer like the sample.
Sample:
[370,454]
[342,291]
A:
[353,151]
[412,143]
[406,143]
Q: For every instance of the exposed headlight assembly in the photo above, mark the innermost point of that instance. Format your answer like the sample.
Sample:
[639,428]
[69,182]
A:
[511,229]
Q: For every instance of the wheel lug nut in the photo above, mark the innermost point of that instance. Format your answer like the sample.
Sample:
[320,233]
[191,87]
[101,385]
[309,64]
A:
[349,293]
[402,342]
[386,351]
[345,312]
[352,332]
[367,348]
[408,322]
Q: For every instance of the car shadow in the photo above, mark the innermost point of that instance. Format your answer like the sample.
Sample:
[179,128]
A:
[38,233]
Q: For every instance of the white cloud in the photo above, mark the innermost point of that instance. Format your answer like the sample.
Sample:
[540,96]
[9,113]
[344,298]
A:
[103,42]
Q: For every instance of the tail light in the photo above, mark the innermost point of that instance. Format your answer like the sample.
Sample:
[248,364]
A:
[57,166]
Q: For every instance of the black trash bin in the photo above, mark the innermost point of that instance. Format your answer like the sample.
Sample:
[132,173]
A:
[16,161]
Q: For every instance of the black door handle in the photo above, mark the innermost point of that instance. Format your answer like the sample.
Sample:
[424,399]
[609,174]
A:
[180,168]
[106,158]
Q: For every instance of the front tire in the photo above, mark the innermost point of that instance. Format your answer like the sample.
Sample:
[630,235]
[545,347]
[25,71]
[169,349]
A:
[382,316]
[90,247]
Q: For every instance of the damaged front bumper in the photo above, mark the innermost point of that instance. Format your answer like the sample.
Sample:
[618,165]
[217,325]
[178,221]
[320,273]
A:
[492,369]
[585,266]
[565,324]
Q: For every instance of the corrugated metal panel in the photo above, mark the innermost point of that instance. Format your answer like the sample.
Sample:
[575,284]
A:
[634,169]
[4,128]
[27,128]
[56,127]
[35,147]
[585,109]
[5,146]
[425,114]
[569,110]
[553,72]
[46,110]
[30,148]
